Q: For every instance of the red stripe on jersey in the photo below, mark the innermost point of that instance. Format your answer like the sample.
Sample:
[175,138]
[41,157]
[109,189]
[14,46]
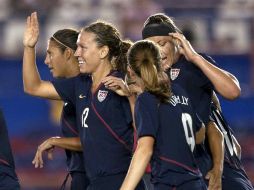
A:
[109,128]
[179,164]
[70,127]
[4,162]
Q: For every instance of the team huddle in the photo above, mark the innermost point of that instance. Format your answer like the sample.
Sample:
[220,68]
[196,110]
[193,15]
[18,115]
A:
[141,115]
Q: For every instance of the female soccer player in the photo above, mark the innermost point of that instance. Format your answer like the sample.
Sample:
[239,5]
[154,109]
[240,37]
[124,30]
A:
[8,176]
[198,76]
[104,118]
[62,64]
[234,175]
[166,126]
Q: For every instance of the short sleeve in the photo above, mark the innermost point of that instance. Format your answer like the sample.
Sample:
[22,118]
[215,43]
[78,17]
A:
[146,115]
[66,89]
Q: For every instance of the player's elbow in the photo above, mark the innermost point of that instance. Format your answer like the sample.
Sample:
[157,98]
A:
[30,91]
[235,93]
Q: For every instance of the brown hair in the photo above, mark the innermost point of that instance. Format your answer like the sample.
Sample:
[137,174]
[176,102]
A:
[65,38]
[108,35]
[145,60]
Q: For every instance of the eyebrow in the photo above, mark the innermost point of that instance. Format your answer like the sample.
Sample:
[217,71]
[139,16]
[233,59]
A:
[161,41]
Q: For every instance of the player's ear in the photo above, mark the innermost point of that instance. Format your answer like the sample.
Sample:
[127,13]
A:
[104,50]
[68,53]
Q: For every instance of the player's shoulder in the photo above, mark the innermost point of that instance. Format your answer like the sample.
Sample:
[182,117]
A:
[178,90]
[146,97]
[147,100]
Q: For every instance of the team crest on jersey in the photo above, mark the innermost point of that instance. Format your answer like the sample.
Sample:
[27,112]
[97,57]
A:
[102,94]
[174,73]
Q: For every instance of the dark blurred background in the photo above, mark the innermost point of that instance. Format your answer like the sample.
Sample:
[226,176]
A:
[222,28]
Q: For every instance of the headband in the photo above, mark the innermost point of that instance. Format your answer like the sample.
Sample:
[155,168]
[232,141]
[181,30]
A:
[161,29]
[60,42]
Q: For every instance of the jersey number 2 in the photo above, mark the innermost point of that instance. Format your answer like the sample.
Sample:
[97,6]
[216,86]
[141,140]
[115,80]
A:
[188,130]
[84,117]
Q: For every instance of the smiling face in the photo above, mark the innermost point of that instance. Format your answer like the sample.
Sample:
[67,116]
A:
[88,52]
[55,60]
[167,49]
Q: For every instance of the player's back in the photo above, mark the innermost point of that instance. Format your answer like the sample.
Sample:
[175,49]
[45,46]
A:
[173,162]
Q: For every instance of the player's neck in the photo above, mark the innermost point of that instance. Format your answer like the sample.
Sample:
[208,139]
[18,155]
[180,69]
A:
[176,57]
[101,72]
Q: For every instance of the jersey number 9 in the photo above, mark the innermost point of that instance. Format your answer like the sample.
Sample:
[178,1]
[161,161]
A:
[188,130]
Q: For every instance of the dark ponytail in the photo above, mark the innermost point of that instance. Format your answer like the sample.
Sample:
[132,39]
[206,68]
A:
[120,62]
[108,35]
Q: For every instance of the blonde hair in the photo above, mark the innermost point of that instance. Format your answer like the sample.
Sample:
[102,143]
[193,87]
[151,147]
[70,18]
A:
[145,60]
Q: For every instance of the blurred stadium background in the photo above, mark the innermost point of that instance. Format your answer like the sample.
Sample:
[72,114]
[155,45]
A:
[222,28]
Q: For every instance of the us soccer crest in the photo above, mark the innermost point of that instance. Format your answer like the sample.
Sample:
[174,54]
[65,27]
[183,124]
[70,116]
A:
[102,94]
[174,73]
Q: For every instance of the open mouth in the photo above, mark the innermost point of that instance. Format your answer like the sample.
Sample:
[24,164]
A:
[80,62]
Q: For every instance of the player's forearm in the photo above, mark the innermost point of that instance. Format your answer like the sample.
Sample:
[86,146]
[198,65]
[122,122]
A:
[69,143]
[31,76]
[137,167]
[216,144]
[225,83]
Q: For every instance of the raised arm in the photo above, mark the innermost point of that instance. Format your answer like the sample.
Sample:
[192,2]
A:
[224,82]
[33,84]
[139,163]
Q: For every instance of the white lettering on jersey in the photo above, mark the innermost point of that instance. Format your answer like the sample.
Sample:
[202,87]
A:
[84,117]
[174,100]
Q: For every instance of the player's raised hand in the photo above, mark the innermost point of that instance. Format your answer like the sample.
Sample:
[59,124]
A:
[31,33]
[183,46]
[117,85]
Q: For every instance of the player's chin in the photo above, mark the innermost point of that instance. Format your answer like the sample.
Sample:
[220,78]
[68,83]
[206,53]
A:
[55,75]
[85,70]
